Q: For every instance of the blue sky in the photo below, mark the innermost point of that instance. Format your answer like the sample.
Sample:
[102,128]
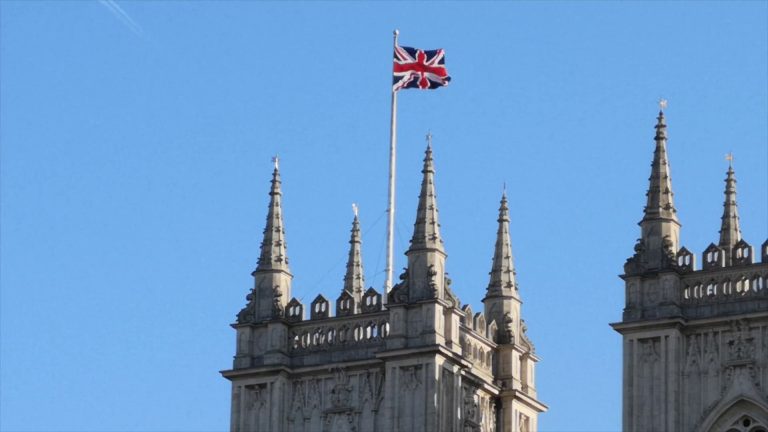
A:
[135,164]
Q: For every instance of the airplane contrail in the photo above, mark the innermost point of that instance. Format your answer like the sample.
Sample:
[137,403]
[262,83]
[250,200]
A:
[123,16]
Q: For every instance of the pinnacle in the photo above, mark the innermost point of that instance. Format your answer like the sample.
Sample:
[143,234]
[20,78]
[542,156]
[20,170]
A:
[730,232]
[273,254]
[502,273]
[660,203]
[353,279]
[426,232]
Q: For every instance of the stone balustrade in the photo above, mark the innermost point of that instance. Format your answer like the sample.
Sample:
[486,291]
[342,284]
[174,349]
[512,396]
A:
[703,287]
[339,332]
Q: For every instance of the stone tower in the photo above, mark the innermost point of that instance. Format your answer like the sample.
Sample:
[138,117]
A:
[422,362]
[695,340]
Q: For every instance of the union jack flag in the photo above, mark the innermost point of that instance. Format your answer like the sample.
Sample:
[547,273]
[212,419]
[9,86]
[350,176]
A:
[416,68]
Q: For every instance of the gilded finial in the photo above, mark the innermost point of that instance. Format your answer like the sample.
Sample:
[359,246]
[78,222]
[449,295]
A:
[729,158]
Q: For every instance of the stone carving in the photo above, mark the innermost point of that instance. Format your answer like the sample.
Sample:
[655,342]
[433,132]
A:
[341,392]
[525,423]
[257,397]
[370,389]
[492,407]
[636,263]
[248,313]
[471,408]
[313,395]
[741,345]
[449,295]
[669,253]
[399,293]
[765,346]
[693,355]
[277,305]
[524,336]
[298,401]
[431,273]
[340,422]
[741,376]
[509,331]
[711,352]
[257,403]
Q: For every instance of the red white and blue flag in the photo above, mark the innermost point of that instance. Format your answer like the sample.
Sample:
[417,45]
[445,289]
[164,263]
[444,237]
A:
[416,68]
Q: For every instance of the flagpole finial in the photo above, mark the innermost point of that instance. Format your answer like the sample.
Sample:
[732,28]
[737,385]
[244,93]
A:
[276,161]
[396,32]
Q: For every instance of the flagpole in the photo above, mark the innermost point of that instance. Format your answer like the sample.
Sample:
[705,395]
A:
[391,205]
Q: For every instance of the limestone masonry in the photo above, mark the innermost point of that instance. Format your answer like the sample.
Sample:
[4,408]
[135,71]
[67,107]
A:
[422,362]
[695,340]
[416,359]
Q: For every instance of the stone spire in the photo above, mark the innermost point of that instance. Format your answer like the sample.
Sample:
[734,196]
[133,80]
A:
[425,276]
[660,229]
[660,203]
[426,232]
[272,277]
[273,247]
[354,282]
[502,299]
[730,234]
[503,270]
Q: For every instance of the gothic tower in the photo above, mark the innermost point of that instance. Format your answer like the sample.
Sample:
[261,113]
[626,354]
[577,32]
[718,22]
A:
[695,341]
[422,362]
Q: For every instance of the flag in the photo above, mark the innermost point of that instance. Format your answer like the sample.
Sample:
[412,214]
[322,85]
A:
[415,68]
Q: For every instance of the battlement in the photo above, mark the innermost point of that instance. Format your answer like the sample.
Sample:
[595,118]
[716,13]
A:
[715,257]
[409,358]
[357,333]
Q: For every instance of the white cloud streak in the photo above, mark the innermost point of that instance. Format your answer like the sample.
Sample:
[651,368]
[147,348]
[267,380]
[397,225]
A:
[123,16]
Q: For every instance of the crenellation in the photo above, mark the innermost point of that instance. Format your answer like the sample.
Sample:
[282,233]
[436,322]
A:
[383,366]
[478,323]
[713,257]
[686,261]
[468,317]
[294,311]
[692,354]
[743,254]
[346,304]
[320,308]
[764,252]
[371,301]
